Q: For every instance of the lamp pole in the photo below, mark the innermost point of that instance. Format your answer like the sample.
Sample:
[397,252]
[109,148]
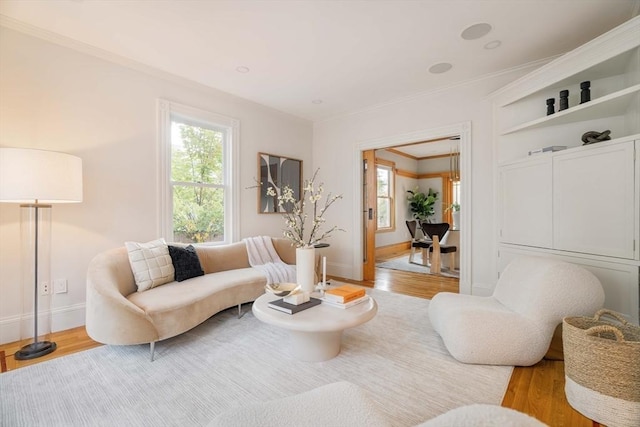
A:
[37,348]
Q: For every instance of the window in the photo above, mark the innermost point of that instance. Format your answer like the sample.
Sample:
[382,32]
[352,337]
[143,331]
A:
[197,170]
[385,192]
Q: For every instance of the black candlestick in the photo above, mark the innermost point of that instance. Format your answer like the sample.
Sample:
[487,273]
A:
[550,107]
[564,100]
[585,92]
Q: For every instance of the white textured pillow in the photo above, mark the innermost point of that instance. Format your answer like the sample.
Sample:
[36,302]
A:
[151,263]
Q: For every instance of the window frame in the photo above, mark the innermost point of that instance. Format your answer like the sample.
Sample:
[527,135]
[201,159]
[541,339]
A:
[167,110]
[391,166]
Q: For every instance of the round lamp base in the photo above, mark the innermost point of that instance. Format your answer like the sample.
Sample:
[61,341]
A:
[37,349]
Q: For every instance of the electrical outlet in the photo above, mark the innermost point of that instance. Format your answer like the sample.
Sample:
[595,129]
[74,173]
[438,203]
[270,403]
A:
[60,286]
[45,288]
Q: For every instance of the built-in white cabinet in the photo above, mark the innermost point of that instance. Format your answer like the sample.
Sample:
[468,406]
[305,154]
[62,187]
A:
[579,200]
[581,204]
[594,207]
[526,209]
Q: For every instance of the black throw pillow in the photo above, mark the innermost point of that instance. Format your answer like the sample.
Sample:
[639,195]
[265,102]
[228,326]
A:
[185,262]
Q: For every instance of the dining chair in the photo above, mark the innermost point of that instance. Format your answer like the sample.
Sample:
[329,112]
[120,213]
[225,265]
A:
[437,231]
[422,243]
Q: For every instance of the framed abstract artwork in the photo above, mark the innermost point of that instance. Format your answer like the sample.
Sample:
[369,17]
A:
[277,172]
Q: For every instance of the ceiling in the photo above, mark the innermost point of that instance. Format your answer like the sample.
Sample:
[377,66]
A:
[429,149]
[320,59]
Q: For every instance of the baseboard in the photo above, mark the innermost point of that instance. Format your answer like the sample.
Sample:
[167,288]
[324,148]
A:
[58,319]
[339,269]
[383,251]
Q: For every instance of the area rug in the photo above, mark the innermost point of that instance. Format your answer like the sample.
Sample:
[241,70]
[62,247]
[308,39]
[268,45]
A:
[229,361]
[402,263]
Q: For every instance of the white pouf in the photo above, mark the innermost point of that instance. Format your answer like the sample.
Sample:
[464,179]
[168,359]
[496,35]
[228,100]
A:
[336,404]
[343,404]
[482,416]
[515,325]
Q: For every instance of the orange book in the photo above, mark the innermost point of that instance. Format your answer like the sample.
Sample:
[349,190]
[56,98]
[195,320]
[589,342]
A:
[344,294]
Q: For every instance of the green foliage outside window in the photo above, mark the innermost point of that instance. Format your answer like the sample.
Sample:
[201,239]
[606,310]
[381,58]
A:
[197,159]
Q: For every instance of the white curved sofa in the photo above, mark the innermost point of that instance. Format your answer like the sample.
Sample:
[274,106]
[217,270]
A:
[118,314]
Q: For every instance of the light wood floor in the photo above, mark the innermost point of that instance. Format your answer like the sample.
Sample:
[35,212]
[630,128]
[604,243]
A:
[537,390]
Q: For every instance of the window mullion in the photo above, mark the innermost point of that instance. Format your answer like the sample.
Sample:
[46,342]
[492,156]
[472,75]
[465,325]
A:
[197,184]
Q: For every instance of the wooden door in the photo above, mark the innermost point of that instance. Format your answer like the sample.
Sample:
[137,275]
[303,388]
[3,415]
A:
[369,220]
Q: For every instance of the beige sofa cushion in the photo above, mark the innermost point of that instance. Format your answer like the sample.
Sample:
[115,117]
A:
[178,306]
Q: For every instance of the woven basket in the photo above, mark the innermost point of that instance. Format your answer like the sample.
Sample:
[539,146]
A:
[602,368]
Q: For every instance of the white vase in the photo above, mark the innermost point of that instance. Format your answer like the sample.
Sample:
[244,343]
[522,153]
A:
[456,219]
[306,268]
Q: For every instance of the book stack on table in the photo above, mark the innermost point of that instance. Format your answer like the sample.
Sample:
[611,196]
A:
[285,307]
[344,296]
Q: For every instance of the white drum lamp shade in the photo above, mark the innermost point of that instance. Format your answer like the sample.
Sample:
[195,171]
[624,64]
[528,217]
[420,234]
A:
[36,179]
[30,176]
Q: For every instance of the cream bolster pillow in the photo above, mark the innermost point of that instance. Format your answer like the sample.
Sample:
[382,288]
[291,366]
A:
[151,263]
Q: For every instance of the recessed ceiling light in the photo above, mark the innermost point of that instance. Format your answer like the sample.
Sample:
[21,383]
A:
[242,70]
[317,101]
[492,45]
[442,67]
[476,31]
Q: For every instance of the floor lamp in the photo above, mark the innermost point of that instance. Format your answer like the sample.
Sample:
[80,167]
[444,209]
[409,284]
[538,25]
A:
[36,179]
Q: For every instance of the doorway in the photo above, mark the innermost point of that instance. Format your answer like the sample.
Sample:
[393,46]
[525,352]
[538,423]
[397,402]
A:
[364,261]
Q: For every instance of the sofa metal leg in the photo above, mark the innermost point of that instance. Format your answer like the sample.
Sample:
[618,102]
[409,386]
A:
[153,349]
[240,313]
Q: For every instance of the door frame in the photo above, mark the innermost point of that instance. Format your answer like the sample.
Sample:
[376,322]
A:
[463,129]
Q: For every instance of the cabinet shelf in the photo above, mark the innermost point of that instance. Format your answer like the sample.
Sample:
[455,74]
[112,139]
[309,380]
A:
[606,106]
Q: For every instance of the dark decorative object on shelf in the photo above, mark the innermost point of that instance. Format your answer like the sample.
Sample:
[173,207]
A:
[550,108]
[585,92]
[564,100]
[593,136]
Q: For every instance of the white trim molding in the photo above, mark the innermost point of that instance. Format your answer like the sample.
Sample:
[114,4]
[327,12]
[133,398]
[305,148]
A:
[464,131]
[57,319]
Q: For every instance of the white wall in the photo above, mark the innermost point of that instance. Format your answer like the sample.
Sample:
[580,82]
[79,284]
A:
[436,165]
[55,98]
[440,164]
[468,102]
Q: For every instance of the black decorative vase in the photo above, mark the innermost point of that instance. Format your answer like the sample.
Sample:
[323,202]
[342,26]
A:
[585,92]
[550,107]
[564,100]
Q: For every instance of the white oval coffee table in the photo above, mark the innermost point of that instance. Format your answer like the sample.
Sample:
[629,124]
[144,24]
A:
[316,333]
